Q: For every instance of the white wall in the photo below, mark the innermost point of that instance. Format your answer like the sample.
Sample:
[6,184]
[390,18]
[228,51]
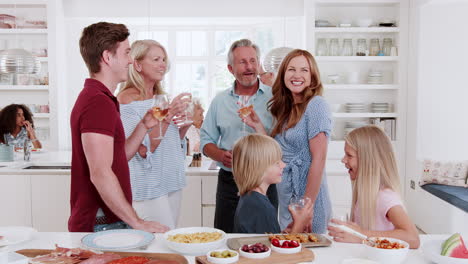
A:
[437,103]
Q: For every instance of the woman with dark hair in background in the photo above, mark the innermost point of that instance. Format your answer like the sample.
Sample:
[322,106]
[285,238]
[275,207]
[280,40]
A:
[17,126]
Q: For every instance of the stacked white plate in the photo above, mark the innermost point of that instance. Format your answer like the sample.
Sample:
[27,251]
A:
[356,108]
[375,77]
[380,107]
[351,125]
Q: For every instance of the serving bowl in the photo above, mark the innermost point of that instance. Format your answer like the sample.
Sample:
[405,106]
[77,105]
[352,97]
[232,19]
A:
[431,250]
[386,256]
[194,248]
[290,250]
[217,260]
[259,255]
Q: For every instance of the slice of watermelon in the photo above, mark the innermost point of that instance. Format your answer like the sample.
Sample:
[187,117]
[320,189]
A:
[454,247]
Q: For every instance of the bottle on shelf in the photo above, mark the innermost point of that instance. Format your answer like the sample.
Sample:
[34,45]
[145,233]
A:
[334,49]
[361,48]
[322,49]
[374,47]
[387,46]
[347,47]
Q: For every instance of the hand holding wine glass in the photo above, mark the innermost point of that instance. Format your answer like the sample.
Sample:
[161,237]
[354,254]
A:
[245,107]
[160,110]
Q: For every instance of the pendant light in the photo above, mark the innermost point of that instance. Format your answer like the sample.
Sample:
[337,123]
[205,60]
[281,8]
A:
[274,57]
[18,61]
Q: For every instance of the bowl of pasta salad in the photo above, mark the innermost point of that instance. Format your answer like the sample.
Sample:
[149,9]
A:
[195,240]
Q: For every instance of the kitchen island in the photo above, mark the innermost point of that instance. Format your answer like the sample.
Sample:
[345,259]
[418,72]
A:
[335,254]
[39,196]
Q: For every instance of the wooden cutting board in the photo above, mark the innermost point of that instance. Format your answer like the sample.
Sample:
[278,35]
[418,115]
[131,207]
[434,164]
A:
[306,255]
[236,242]
[154,256]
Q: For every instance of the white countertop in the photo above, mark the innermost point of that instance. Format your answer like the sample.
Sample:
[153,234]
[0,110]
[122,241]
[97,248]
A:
[334,254]
[63,158]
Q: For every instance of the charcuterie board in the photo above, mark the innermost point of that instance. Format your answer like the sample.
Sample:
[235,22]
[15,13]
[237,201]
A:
[306,255]
[31,253]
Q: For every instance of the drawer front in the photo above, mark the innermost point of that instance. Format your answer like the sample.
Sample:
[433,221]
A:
[208,215]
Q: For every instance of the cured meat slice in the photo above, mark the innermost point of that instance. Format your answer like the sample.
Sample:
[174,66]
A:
[162,262]
[48,259]
[101,258]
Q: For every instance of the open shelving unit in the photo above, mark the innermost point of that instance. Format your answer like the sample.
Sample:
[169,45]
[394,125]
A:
[34,40]
[393,88]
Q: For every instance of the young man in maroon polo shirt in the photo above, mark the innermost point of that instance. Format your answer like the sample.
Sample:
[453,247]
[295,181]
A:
[101,196]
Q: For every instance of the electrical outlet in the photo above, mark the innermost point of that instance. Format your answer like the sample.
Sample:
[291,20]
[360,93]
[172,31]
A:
[412,185]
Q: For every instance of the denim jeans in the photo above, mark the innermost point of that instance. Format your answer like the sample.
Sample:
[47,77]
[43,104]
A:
[116,225]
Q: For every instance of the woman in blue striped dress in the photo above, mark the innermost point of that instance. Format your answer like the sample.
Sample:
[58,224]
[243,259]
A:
[157,170]
[303,127]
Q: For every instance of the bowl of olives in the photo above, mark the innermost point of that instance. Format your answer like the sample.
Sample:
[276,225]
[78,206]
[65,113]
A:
[255,251]
[222,256]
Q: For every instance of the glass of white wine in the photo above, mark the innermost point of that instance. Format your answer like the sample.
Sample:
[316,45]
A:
[246,107]
[160,109]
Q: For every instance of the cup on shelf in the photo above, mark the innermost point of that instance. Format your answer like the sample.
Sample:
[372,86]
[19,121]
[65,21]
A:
[333,78]
[352,77]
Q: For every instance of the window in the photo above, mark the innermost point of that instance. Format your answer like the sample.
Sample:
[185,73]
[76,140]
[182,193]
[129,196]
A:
[198,51]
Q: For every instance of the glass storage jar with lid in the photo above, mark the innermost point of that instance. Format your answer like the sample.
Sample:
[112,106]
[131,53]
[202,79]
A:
[387,46]
[334,48]
[374,47]
[361,48]
[347,49]
[322,49]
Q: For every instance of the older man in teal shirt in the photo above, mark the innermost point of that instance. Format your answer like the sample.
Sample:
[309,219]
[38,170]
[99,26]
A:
[223,126]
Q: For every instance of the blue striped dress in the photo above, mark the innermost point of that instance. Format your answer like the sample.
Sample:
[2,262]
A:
[162,171]
[294,143]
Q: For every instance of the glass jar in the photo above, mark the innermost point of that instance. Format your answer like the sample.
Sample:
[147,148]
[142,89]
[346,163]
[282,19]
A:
[347,49]
[374,47]
[361,48]
[322,49]
[387,46]
[334,48]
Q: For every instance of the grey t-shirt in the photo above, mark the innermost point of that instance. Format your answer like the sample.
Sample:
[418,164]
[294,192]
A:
[255,214]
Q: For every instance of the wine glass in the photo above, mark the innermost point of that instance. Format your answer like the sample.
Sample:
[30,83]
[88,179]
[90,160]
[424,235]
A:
[245,107]
[189,109]
[298,203]
[160,109]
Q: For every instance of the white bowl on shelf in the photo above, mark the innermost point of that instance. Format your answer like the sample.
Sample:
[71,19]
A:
[364,22]
[260,255]
[386,256]
[216,260]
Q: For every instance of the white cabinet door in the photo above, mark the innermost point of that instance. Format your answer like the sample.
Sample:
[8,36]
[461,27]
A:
[209,184]
[50,202]
[190,210]
[340,190]
[208,215]
[15,200]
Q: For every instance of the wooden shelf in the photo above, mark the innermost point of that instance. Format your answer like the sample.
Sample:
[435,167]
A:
[361,86]
[356,58]
[363,115]
[24,87]
[24,31]
[357,30]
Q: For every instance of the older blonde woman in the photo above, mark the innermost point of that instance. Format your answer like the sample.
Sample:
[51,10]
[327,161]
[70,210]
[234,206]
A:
[157,171]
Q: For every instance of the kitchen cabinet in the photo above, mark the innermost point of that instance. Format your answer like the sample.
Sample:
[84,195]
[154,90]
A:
[15,200]
[191,208]
[50,202]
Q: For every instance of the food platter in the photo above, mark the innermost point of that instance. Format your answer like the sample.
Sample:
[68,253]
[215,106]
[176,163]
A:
[235,243]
